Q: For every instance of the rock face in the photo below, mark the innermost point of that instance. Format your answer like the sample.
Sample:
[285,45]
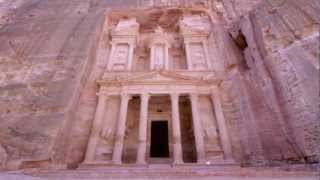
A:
[53,52]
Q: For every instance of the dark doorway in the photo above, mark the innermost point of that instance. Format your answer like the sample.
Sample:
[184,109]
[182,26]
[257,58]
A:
[159,139]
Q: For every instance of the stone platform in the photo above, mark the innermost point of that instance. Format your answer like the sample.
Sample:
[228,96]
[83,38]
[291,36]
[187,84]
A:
[188,172]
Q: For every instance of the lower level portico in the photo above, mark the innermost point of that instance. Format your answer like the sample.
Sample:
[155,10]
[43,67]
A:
[158,117]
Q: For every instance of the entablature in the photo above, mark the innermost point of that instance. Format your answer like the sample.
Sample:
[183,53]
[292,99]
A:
[158,82]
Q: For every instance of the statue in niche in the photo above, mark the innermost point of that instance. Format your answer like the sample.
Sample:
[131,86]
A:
[159,45]
[3,156]
[159,56]
[105,133]
[197,56]
[121,57]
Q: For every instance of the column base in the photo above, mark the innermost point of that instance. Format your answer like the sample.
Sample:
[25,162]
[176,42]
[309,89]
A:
[231,161]
[141,163]
[116,162]
[201,161]
[178,162]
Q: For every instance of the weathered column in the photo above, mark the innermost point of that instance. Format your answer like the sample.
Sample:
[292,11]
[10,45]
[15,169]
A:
[177,148]
[189,61]
[166,63]
[142,149]
[152,58]
[225,140]
[197,127]
[130,60]
[96,127]
[121,127]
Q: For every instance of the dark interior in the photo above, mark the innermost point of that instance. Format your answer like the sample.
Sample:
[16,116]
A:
[159,139]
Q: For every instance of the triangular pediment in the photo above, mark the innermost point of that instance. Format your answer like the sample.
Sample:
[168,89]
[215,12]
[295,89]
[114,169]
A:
[153,77]
[161,76]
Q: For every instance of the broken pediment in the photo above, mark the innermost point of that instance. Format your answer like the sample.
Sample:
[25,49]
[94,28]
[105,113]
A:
[195,25]
[126,27]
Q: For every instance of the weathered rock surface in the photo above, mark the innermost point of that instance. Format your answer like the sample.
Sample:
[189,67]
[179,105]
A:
[50,59]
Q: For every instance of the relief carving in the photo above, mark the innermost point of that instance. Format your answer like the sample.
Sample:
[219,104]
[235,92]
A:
[106,134]
[3,157]
[159,56]
[121,57]
[198,56]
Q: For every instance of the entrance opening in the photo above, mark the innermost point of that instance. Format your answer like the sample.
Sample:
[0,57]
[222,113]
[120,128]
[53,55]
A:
[159,139]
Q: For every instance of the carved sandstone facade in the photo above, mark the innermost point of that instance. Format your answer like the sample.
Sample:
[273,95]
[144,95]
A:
[133,99]
[91,82]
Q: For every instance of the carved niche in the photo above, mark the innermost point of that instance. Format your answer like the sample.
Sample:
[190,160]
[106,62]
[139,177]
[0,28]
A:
[159,56]
[121,57]
[159,50]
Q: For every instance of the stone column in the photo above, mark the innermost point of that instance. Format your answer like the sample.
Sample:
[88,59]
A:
[189,60]
[177,148]
[131,55]
[121,127]
[197,127]
[96,128]
[166,63]
[143,123]
[152,58]
[225,140]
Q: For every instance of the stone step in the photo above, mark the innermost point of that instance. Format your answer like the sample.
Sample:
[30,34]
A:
[167,172]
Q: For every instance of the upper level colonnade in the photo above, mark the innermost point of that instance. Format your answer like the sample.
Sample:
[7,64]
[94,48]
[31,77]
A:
[158,46]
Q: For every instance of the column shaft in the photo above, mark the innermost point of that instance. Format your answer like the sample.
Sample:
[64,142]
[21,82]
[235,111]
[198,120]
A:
[121,127]
[96,127]
[177,147]
[166,61]
[197,127]
[225,140]
[130,60]
[143,124]
[189,60]
[152,58]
